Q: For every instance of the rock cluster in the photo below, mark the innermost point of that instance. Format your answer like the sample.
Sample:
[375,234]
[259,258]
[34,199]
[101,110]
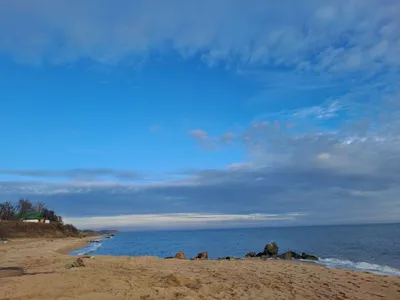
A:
[271,250]
[94,241]
[181,255]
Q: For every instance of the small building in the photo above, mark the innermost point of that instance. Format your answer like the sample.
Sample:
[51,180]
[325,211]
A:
[34,217]
[30,220]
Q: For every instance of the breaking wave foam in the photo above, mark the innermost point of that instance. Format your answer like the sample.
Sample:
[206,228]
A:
[91,247]
[359,266]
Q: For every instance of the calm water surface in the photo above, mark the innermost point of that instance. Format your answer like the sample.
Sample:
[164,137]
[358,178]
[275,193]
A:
[374,248]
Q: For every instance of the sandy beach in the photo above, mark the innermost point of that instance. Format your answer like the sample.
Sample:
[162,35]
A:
[35,269]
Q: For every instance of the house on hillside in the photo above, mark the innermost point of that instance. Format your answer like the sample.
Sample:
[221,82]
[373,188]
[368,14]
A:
[34,217]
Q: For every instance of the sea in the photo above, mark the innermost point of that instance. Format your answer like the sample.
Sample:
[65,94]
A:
[368,248]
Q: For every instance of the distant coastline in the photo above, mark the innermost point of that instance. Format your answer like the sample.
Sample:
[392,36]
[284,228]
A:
[19,229]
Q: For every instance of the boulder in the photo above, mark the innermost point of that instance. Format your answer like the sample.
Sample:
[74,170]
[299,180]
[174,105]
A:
[287,255]
[180,255]
[250,254]
[309,256]
[290,255]
[202,255]
[271,250]
[260,254]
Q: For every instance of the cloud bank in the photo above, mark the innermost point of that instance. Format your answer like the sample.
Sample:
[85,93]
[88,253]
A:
[75,173]
[318,36]
[347,176]
[180,220]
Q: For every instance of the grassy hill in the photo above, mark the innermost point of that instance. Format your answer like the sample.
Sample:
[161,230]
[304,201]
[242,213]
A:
[17,229]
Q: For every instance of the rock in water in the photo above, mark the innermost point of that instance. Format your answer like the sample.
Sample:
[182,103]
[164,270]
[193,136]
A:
[180,255]
[226,258]
[260,254]
[286,255]
[290,255]
[308,256]
[202,255]
[271,249]
[250,254]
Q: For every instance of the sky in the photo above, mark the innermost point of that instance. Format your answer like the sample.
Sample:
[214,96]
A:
[202,114]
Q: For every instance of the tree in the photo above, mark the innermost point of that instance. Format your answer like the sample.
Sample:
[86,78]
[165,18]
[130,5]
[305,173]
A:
[24,205]
[59,219]
[50,215]
[40,207]
[7,211]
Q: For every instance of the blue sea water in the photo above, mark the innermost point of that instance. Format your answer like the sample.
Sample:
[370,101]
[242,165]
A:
[373,248]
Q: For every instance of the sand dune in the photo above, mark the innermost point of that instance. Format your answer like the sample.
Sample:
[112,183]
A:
[103,277]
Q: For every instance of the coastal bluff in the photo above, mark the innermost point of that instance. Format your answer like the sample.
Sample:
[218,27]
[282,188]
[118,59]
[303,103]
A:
[17,229]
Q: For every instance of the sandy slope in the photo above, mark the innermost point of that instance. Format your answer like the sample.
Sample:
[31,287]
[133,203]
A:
[152,278]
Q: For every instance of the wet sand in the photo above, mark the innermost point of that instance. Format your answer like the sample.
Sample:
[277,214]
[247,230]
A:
[36,270]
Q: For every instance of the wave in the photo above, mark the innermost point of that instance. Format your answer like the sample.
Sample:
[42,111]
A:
[359,266]
[90,248]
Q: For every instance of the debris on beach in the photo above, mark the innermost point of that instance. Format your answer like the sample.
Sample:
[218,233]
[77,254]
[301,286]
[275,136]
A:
[76,264]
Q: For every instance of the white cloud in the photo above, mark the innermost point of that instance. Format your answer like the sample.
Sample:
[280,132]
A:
[199,134]
[181,220]
[302,35]
[211,142]
[326,111]
[241,166]
[324,156]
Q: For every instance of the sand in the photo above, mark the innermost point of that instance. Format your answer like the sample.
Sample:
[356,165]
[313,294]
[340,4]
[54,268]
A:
[36,270]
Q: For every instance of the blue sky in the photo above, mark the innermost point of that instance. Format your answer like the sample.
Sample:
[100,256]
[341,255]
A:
[150,114]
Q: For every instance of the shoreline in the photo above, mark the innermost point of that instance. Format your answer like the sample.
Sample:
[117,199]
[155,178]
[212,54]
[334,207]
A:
[321,262]
[78,244]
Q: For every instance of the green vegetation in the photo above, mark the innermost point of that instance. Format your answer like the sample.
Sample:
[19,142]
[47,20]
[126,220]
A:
[13,215]
[27,210]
